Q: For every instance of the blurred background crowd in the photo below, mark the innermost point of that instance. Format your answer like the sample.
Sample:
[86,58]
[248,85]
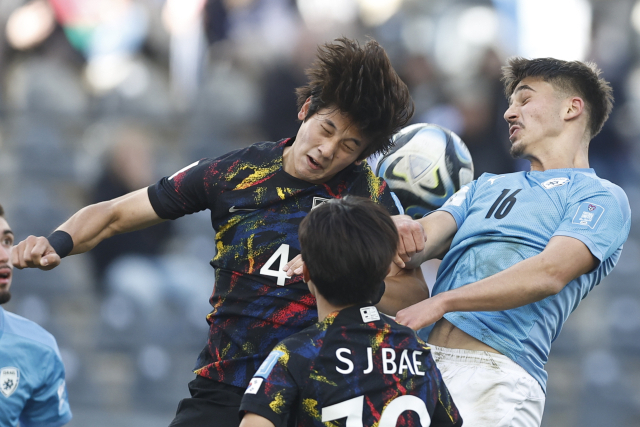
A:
[101,97]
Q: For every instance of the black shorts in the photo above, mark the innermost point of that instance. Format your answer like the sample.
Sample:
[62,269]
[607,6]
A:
[212,403]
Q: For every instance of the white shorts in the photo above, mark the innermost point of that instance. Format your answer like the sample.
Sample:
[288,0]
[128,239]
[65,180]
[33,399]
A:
[489,389]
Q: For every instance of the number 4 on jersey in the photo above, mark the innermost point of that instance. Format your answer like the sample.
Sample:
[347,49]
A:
[283,255]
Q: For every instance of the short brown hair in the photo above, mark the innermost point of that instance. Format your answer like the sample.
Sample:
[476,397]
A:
[360,82]
[348,245]
[1,211]
[572,77]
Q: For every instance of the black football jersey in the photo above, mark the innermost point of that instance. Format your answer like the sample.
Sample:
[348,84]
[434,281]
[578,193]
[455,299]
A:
[256,208]
[355,368]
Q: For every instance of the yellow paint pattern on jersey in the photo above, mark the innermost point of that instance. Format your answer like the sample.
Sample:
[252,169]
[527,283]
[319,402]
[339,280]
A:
[315,376]
[328,321]
[225,350]
[277,403]
[257,175]
[284,359]
[375,185]
[380,337]
[310,407]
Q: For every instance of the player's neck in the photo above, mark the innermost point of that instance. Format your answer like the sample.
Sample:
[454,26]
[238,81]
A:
[560,155]
[325,308]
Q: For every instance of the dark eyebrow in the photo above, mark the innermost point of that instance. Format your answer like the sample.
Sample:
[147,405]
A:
[333,125]
[5,232]
[518,89]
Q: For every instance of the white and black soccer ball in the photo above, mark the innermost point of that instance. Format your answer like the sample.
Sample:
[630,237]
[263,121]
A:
[425,167]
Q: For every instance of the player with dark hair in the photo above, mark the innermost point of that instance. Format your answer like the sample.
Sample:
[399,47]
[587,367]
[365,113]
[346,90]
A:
[257,197]
[354,367]
[521,250]
[32,386]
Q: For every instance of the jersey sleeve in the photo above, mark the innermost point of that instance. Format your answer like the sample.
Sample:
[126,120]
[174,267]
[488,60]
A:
[597,216]
[458,204]
[273,390]
[49,404]
[182,193]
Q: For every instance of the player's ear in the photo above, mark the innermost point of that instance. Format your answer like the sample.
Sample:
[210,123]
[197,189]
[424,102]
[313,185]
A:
[305,273]
[302,114]
[574,108]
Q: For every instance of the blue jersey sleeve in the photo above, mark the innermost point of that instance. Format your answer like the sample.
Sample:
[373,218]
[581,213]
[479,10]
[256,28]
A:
[598,216]
[49,404]
[458,204]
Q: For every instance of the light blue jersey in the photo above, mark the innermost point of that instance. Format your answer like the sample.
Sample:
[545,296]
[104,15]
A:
[32,387]
[504,219]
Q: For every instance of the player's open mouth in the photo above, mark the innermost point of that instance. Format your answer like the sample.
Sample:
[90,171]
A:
[313,163]
[512,131]
[5,274]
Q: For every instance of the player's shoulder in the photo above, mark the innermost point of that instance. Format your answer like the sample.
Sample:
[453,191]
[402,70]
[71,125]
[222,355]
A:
[29,331]
[586,181]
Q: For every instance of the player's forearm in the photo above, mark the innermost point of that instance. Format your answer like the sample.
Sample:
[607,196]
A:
[440,228]
[95,223]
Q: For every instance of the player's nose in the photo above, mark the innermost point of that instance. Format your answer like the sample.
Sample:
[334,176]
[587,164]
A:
[511,114]
[328,148]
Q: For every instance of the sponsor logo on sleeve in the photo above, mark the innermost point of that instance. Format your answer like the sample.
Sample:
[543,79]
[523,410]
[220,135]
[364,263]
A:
[9,379]
[369,314]
[554,182]
[254,385]
[269,363]
[588,214]
[458,198]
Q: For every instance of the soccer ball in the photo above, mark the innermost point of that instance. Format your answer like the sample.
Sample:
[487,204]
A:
[425,167]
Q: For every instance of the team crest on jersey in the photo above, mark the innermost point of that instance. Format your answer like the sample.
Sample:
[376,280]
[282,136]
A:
[9,379]
[588,214]
[317,201]
[554,182]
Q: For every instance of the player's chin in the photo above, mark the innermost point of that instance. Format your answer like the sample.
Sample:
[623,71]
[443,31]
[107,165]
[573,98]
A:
[5,296]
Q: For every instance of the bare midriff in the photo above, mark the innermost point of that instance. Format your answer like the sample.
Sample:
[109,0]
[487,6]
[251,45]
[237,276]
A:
[444,334]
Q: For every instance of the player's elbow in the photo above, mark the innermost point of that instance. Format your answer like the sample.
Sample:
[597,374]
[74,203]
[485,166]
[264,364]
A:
[554,277]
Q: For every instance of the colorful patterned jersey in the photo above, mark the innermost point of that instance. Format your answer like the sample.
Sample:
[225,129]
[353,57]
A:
[355,368]
[256,208]
[32,386]
[504,219]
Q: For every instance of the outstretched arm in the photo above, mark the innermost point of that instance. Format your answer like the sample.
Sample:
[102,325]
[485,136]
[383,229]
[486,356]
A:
[88,227]
[528,281]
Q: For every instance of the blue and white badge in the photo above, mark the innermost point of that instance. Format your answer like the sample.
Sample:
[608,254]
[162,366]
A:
[269,363]
[588,214]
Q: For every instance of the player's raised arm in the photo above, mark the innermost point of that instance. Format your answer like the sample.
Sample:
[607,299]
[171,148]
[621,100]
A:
[85,229]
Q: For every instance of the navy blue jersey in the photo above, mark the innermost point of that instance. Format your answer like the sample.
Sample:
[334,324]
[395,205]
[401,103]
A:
[355,368]
[504,219]
[256,208]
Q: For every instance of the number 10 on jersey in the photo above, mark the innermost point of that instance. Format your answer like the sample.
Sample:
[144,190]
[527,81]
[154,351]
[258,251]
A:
[282,254]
